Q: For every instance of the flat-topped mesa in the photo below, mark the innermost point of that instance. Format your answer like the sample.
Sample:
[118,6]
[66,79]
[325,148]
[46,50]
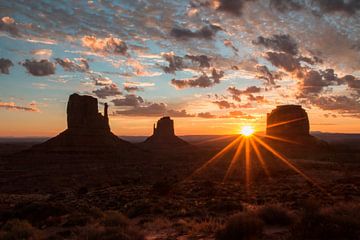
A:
[88,130]
[164,134]
[82,113]
[164,127]
[288,120]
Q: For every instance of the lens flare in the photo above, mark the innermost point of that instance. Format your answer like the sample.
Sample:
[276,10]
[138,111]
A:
[247,131]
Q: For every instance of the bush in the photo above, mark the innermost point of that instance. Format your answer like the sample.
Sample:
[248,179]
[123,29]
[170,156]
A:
[275,214]
[338,222]
[113,226]
[113,233]
[18,229]
[241,226]
[114,219]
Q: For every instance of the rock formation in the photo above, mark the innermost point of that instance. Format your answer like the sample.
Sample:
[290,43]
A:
[88,130]
[288,120]
[82,113]
[290,125]
[164,134]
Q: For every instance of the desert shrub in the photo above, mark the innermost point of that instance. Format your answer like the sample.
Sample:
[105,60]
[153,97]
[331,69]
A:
[77,219]
[275,214]
[113,226]
[112,233]
[241,226]
[162,187]
[337,222]
[18,229]
[205,227]
[38,212]
[114,219]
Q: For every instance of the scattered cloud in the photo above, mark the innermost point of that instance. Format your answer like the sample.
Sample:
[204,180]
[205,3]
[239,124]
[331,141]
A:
[202,81]
[39,68]
[129,100]
[109,45]
[206,32]
[76,65]
[5,65]
[32,107]
[111,90]
[206,115]
[42,52]
[281,43]
[153,110]
[223,104]
[237,114]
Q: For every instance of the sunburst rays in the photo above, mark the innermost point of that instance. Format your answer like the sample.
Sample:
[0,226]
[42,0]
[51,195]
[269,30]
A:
[247,147]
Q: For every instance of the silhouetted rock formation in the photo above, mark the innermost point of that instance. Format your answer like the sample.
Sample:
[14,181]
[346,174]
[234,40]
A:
[290,126]
[288,120]
[164,134]
[82,112]
[88,130]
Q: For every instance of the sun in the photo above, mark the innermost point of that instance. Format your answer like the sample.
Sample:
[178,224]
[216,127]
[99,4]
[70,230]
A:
[247,131]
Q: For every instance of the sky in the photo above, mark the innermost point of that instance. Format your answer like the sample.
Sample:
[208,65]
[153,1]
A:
[212,65]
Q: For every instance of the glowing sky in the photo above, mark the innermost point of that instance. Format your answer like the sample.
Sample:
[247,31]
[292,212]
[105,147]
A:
[212,65]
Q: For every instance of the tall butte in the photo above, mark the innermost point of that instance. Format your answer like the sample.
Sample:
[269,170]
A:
[290,126]
[164,134]
[88,130]
[288,121]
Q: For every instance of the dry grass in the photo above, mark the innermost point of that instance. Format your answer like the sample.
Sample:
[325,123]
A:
[341,221]
[19,229]
[245,226]
[275,214]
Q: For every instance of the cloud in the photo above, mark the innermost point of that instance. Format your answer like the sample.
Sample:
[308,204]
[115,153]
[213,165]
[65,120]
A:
[132,88]
[347,6]
[139,84]
[42,52]
[5,65]
[235,91]
[285,5]
[342,104]
[129,100]
[258,99]
[269,76]
[314,81]
[233,7]
[39,68]
[8,24]
[206,32]
[79,64]
[281,43]
[177,63]
[100,80]
[12,106]
[352,82]
[206,115]
[107,91]
[110,45]
[202,81]
[284,61]
[237,114]
[203,60]
[223,104]
[153,110]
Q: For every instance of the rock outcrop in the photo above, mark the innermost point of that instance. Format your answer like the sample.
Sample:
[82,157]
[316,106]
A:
[164,134]
[82,113]
[290,126]
[88,130]
[288,120]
